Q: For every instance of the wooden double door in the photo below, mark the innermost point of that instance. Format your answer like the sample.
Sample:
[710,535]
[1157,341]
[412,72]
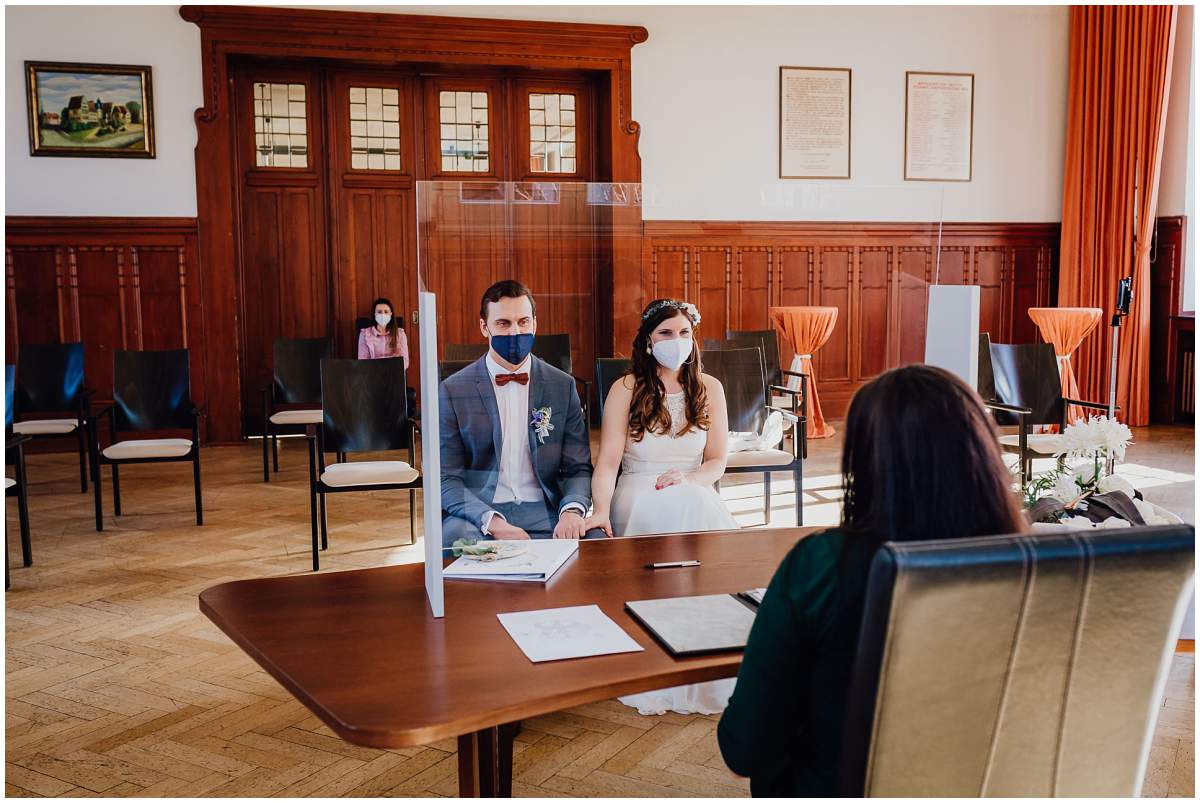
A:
[328,160]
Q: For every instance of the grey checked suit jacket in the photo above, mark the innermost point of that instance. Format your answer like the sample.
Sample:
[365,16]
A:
[471,440]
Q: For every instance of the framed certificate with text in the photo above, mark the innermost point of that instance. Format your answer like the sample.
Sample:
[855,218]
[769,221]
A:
[939,112]
[814,122]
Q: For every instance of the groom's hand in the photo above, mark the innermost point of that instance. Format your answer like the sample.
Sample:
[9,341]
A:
[501,530]
[570,525]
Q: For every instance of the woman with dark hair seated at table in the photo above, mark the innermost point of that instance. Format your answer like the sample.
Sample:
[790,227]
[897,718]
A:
[920,462]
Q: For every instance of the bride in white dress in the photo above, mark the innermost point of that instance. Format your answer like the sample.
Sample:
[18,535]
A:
[665,426]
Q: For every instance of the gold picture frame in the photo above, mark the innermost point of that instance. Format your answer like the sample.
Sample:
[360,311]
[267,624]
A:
[90,110]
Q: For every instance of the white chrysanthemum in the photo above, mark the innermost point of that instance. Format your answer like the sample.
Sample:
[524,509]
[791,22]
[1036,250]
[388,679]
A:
[693,313]
[1115,482]
[1065,489]
[1097,436]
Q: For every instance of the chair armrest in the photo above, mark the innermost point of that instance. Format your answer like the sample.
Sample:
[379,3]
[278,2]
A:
[95,414]
[1089,405]
[787,416]
[786,372]
[784,390]
[12,440]
[1008,408]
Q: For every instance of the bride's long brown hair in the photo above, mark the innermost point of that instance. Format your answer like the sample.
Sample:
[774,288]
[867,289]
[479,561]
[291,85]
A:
[647,410]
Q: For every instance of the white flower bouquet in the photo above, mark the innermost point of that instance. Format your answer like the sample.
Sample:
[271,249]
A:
[1064,492]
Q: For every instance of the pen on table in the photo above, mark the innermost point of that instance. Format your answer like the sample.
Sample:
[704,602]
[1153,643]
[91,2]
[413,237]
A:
[675,564]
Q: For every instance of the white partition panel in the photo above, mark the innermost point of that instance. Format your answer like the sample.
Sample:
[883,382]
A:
[952,330]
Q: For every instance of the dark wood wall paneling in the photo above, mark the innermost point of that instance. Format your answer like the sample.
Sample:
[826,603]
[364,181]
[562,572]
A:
[876,274]
[1171,332]
[112,284]
[362,215]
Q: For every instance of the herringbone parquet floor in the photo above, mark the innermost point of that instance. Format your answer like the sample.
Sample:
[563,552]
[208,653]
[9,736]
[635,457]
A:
[117,686]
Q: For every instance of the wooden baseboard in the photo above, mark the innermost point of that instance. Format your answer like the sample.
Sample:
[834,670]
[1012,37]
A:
[1186,645]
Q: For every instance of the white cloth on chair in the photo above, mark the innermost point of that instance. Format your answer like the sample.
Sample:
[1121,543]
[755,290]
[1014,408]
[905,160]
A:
[154,447]
[769,438]
[45,426]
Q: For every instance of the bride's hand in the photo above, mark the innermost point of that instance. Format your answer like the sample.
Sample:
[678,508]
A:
[669,478]
[601,522]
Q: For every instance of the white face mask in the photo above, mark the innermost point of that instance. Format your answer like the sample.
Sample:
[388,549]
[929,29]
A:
[383,318]
[671,354]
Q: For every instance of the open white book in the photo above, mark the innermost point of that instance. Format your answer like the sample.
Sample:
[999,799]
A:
[534,561]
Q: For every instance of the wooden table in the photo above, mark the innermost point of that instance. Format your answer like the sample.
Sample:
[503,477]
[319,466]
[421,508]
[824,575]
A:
[362,652]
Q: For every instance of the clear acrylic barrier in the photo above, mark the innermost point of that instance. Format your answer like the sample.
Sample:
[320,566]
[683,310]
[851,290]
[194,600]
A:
[593,255]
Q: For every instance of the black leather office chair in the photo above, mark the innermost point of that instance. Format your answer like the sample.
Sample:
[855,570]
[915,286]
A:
[741,373]
[293,399]
[14,452]
[50,381]
[1021,385]
[365,410]
[151,392]
[1015,666]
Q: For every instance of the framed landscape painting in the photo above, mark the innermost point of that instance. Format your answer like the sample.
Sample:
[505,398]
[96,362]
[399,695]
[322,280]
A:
[90,110]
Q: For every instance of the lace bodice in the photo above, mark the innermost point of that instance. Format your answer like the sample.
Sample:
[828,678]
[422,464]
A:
[656,453]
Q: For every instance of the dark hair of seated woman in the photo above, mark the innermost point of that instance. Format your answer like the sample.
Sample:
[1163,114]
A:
[920,461]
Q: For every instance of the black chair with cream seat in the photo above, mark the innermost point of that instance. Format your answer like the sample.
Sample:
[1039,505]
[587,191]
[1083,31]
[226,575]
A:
[151,393]
[365,410]
[741,373]
[556,350]
[777,394]
[14,452]
[608,371]
[465,351]
[1015,666]
[1020,384]
[50,399]
[294,390]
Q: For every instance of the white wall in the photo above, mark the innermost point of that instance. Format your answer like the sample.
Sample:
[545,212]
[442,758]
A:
[1177,187]
[705,90]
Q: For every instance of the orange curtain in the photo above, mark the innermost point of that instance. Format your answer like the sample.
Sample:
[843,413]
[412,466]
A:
[1120,60]
[1065,328]
[806,329]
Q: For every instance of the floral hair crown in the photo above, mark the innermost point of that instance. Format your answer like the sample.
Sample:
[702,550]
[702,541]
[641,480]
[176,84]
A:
[688,309]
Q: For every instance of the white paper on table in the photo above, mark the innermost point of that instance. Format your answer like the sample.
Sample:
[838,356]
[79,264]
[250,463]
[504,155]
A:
[575,632]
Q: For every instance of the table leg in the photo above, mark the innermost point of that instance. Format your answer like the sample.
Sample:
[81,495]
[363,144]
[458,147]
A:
[485,762]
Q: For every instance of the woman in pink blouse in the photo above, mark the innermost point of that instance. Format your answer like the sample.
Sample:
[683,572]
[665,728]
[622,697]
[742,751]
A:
[385,338]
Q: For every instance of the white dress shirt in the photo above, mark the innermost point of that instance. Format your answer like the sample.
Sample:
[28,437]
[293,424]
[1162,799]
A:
[517,481]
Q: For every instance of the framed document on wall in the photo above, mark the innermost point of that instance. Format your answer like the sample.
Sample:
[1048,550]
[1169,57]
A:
[814,122]
[939,112]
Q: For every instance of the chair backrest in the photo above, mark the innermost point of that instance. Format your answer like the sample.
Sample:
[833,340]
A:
[1015,666]
[1026,375]
[465,351]
[740,372]
[768,341]
[49,377]
[985,381]
[554,349]
[608,371]
[365,405]
[151,390]
[298,369]
[448,368]
[712,344]
[10,379]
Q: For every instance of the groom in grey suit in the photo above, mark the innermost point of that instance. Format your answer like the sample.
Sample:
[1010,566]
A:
[516,462]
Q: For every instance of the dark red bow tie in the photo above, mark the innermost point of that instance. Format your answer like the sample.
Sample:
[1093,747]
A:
[504,379]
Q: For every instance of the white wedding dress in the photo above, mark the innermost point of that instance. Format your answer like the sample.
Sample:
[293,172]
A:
[639,509]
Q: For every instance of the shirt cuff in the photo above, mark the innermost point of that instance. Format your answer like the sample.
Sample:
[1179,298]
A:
[574,506]
[486,522]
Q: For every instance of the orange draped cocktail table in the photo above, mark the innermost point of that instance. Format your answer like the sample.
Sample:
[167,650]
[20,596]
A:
[807,329]
[1065,328]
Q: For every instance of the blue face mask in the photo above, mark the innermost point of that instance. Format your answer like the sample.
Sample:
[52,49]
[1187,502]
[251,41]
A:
[513,349]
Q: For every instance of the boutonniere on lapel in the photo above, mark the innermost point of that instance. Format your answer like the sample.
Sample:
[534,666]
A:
[539,422]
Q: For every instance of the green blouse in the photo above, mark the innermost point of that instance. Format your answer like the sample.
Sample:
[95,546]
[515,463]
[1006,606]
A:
[783,725]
